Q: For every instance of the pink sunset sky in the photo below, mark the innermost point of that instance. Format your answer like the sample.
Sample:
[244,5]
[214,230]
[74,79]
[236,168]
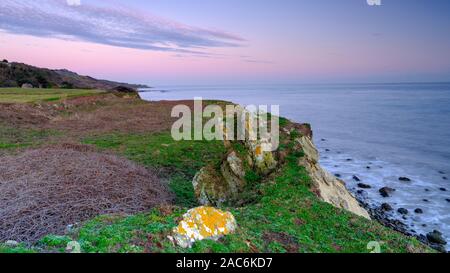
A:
[217,42]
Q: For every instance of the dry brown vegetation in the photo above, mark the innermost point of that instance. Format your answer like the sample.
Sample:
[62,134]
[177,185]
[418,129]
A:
[93,114]
[44,190]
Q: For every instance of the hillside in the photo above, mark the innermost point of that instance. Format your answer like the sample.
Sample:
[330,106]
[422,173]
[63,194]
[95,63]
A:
[16,74]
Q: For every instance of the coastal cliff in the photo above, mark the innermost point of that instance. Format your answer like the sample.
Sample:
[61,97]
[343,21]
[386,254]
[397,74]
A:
[229,184]
[280,201]
[329,188]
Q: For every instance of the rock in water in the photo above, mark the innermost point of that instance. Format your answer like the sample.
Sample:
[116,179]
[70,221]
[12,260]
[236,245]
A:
[386,191]
[386,207]
[404,179]
[435,237]
[356,178]
[402,211]
[364,186]
[418,211]
[203,223]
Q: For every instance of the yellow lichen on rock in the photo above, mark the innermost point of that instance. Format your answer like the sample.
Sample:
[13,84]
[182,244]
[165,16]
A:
[203,223]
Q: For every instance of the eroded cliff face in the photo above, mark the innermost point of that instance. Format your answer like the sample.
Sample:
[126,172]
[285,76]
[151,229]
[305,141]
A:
[226,182]
[327,186]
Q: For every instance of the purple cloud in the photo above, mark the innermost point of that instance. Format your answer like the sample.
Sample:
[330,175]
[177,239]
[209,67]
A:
[110,26]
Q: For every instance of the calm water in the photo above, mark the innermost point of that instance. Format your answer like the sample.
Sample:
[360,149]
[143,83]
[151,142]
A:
[378,132]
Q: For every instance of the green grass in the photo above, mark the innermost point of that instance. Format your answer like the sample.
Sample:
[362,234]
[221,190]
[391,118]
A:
[18,95]
[21,248]
[14,137]
[288,217]
[160,150]
[285,217]
[181,186]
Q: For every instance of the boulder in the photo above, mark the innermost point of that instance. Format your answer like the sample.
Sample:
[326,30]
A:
[364,186]
[404,179]
[386,207]
[216,187]
[386,191]
[435,237]
[263,161]
[402,211]
[356,178]
[418,211]
[236,165]
[11,243]
[203,223]
[210,188]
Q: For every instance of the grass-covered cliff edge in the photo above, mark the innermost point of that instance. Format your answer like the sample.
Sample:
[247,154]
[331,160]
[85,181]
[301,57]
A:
[79,136]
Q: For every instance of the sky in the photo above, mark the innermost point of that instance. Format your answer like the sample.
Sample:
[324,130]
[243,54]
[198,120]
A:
[166,42]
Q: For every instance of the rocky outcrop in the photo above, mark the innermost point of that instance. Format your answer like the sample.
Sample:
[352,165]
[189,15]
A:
[329,188]
[218,185]
[210,188]
[203,223]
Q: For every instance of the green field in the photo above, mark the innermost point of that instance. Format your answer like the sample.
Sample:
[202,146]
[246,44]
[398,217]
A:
[19,95]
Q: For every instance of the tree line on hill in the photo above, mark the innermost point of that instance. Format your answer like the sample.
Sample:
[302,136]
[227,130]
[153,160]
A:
[14,74]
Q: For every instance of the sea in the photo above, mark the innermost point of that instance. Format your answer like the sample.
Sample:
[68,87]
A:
[374,133]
